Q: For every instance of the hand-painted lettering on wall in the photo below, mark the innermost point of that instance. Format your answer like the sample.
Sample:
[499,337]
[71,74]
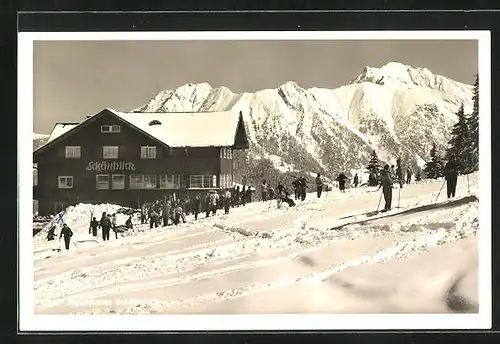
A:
[101,166]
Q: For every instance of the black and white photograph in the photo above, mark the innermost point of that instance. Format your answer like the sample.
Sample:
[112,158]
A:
[274,180]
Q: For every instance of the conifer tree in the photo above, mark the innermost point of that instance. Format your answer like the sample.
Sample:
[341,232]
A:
[434,168]
[472,146]
[374,168]
[459,140]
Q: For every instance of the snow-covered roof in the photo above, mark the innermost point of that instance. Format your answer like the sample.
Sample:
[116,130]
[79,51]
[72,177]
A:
[59,129]
[175,129]
[186,129]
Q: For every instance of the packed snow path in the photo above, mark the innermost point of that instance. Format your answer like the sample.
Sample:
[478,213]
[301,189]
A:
[323,256]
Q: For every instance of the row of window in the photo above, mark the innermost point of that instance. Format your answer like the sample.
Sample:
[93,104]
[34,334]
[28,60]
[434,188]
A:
[147,152]
[109,152]
[149,181]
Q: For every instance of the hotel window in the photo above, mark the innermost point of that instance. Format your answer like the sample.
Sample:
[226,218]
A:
[142,181]
[175,181]
[114,128]
[102,181]
[222,180]
[203,181]
[65,182]
[118,181]
[229,153]
[72,152]
[110,152]
[148,152]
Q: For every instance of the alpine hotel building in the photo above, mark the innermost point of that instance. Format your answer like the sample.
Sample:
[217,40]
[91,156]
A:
[132,158]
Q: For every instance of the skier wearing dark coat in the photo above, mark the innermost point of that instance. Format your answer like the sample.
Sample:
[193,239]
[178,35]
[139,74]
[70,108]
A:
[408,175]
[67,233]
[263,191]
[386,185]
[319,185]
[51,234]
[303,188]
[94,224]
[451,174]
[356,180]
[196,206]
[342,178]
[296,188]
[105,224]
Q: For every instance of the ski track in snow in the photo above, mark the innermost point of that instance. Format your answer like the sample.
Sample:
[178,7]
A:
[254,250]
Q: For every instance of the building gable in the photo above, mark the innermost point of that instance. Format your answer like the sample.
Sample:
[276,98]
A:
[102,118]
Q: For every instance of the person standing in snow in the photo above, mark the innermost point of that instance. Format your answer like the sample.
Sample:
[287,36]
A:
[319,185]
[386,185]
[342,180]
[451,175]
[166,213]
[263,191]
[67,233]
[408,175]
[144,213]
[197,206]
[227,202]
[113,225]
[296,188]
[303,188]
[128,223]
[179,214]
[356,180]
[213,199]
[105,224]
[93,226]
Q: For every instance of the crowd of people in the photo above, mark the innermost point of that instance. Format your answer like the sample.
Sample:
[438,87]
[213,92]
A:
[171,211]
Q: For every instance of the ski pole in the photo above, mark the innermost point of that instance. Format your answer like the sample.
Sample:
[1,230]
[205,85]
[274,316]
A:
[439,193]
[379,200]
[399,195]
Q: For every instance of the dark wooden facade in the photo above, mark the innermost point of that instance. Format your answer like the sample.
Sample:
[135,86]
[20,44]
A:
[183,161]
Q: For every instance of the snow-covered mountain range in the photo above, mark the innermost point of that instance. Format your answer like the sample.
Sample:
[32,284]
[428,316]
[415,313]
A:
[396,110]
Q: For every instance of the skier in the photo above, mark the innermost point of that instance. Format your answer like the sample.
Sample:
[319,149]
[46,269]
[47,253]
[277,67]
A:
[105,224]
[280,195]
[67,233]
[93,226]
[386,185]
[249,195]
[128,223]
[263,190]
[227,201]
[356,180]
[166,213]
[303,188]
[179,214]
[319,185]
[213,199]
[113,225]
[144,213]
[409,172]
[51,234]
[451,174]
[342,180]
[207,205]
[197,206]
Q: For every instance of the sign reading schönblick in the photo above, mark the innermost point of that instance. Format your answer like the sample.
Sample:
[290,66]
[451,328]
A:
[101,166]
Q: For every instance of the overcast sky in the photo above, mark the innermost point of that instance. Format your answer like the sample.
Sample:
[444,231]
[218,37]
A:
[73,79]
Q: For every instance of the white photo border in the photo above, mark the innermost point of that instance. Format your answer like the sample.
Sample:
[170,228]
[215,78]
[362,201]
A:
[28,321]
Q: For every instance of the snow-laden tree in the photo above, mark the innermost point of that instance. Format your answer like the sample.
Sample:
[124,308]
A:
[434,168]
[373,168]
[459,139]
[472,143]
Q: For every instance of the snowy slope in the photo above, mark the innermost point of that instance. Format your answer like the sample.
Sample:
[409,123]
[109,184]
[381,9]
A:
[332,130]
[323,256]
